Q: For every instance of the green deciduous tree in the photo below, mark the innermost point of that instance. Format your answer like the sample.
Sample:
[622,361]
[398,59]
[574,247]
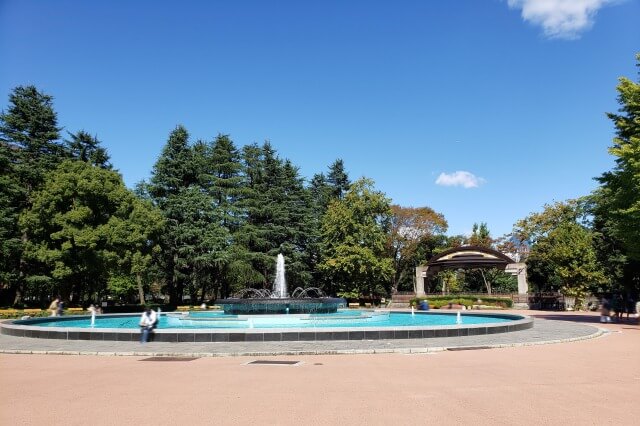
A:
[563,255]
[538,225]
[134,239]
[569,252]
[354,233]
[619,194]
[411,229]
[616,203]
[78,227]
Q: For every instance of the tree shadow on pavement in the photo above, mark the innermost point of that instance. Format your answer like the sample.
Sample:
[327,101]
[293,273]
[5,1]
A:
[589,319]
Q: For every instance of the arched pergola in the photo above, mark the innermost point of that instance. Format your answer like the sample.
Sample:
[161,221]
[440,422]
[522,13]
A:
[470,257]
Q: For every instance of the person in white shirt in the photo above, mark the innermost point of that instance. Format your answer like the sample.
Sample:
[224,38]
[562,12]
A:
[148,322]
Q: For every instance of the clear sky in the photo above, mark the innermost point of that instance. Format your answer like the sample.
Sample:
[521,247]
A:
[484,110]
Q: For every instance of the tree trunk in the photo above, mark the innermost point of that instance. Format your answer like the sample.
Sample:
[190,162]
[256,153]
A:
[396,282]
[487,284]
[175,295]
[18,295]
[22,268]
[203,290]
[193,293]
[140,289]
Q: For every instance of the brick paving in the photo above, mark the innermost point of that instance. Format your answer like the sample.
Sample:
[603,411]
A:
[590,381]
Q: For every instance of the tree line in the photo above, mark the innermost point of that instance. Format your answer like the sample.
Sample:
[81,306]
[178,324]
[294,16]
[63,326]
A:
[209,221]
[213,216]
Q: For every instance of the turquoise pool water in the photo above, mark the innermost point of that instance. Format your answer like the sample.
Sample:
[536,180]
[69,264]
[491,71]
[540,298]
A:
[218,320]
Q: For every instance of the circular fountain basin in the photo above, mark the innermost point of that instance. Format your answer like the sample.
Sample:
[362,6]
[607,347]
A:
[220,327]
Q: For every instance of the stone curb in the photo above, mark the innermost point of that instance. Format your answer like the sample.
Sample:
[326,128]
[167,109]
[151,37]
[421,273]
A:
[417,350]
[30,329]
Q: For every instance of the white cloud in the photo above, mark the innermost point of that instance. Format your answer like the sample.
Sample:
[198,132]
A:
[459,178]
[560,18]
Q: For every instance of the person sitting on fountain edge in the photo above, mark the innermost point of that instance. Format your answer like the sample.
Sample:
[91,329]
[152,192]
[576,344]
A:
[148,321]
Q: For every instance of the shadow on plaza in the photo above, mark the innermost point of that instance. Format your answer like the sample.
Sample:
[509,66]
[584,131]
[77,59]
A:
[587,319]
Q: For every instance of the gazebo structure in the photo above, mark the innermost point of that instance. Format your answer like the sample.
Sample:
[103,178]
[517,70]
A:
[471,257]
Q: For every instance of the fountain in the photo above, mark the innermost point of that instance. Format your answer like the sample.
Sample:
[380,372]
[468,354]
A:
[280,283]
[253,301]
[239,321]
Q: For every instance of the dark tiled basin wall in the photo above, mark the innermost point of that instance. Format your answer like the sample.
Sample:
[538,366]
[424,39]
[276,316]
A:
[30,328]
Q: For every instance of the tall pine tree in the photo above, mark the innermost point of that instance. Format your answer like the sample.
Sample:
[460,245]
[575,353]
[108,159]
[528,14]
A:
[85,147]
[220,174]
[194,241]
[173,172]
[29,148]
[338,179]
[278,216]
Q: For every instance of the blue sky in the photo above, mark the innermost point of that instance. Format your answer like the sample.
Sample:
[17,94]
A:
[511,94]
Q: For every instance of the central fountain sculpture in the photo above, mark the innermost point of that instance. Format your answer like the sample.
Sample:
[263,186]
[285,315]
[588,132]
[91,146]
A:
[253,301]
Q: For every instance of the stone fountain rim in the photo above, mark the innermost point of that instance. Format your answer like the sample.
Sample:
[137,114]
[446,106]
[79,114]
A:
[14,328]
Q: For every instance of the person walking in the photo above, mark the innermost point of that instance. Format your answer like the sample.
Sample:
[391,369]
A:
[617,305]
[53,307]
[605,311]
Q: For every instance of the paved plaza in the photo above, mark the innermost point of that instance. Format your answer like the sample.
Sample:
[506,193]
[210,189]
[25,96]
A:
[591,377]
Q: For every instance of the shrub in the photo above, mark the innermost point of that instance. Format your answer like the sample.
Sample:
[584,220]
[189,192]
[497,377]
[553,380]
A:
[436,302]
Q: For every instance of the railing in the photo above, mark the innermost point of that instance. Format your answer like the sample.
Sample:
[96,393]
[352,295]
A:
[552,301]
[513,296]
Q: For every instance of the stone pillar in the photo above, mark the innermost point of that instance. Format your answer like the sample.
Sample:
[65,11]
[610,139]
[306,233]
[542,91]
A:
[523,286]
[421,274]
[520,270]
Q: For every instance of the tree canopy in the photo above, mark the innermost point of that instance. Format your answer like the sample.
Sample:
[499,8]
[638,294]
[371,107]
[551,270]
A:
[354,233]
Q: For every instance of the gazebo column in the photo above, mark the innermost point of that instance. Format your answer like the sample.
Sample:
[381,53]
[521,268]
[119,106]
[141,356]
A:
[523,286]
[520,271]
[421,274]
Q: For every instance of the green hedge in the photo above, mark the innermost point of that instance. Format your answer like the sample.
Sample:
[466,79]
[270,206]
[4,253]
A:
[18,313]
[436,302]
